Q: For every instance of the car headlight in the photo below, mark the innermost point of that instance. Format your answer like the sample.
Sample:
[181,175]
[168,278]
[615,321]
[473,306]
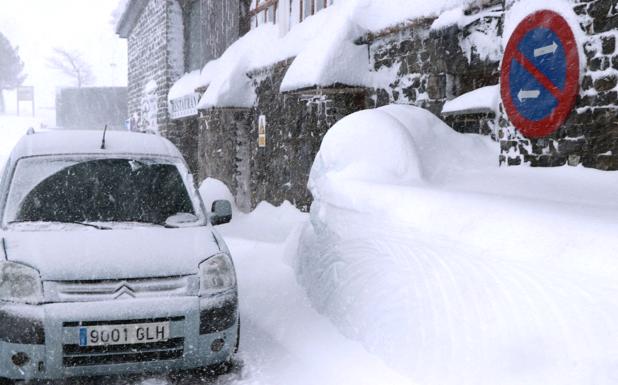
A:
[20,283]
[217,274]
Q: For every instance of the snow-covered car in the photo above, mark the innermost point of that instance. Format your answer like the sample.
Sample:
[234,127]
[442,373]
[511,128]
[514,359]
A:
[109,261]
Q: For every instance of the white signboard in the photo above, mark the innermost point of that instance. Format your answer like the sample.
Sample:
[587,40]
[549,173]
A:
[184,107]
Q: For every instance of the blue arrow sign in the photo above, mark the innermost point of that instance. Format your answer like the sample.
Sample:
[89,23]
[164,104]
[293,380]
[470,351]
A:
[544,52]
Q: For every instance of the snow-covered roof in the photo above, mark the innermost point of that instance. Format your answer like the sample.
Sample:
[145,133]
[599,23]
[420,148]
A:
[89,142]
[129,11]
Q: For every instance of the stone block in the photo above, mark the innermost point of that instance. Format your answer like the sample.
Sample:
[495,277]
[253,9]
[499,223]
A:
[514,161]
[599,9]
[587,82]
[606,83]
[569,146]
[605,23]
[598,64]
[548,161]
[608,44]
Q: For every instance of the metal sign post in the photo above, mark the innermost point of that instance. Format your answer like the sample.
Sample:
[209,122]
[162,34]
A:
[539,80]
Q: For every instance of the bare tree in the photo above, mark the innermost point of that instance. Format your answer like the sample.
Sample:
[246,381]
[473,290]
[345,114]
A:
[11,68]
[73,65]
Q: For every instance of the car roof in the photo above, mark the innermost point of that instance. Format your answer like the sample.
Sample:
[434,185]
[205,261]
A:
[76,142]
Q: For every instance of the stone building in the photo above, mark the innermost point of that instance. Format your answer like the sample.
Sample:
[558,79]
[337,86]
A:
[255,114]
[166,39]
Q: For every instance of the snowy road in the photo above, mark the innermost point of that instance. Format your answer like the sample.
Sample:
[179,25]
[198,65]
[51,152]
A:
[505,276]
[283,339]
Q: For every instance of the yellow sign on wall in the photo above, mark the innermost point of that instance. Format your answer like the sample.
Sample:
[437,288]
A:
[262,131]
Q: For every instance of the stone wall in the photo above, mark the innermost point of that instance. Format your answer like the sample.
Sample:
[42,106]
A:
[156,55]
[220,147]
[221,21]
[149,72]
[295,125]
[185,135]
[590,135]
[417,63]
[426,66]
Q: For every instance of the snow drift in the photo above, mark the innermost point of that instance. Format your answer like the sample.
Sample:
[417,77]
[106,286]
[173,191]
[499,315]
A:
[455,271]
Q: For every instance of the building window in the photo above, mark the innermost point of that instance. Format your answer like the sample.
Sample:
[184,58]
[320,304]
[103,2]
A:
[263,11]
[308,8]
[293,11]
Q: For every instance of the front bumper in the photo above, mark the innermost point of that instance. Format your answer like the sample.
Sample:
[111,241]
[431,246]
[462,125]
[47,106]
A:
[49,336]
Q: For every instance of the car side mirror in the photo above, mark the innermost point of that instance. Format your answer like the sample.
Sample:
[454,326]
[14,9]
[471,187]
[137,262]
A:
[221,212]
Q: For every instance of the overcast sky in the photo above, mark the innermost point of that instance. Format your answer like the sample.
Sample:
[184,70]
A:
[38,26]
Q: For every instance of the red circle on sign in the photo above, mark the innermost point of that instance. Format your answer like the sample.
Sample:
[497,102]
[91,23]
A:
[566,97]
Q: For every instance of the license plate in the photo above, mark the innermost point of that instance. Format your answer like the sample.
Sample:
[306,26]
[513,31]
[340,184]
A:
[102,335]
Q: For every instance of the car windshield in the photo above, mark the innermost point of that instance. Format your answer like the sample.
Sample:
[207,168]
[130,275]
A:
[45,189]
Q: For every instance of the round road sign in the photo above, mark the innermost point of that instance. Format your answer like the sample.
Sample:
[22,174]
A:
[539,79]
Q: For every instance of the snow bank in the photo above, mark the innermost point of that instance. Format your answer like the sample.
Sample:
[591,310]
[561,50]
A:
[283,339]
[266,223]
[484,99]
[455,271]
[396,144]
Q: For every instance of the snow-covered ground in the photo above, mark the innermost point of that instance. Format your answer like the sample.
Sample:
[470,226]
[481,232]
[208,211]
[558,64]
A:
[423,263]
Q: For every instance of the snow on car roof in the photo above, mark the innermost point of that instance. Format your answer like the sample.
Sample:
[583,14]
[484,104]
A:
[89,142]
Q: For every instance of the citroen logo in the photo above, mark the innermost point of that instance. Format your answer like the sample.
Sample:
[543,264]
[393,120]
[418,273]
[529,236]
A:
[124,292]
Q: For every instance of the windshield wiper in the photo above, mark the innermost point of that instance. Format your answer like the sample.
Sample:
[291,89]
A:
[89,224]
[72,222]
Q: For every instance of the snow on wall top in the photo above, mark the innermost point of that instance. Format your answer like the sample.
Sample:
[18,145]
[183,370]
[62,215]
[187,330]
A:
[318,43]
[484,99]
[126,14]
[226,77]
[185,85]
[89,142]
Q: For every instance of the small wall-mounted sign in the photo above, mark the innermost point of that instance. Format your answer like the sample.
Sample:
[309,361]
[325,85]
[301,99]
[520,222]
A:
[25,94]
[184,107]
[262,131]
